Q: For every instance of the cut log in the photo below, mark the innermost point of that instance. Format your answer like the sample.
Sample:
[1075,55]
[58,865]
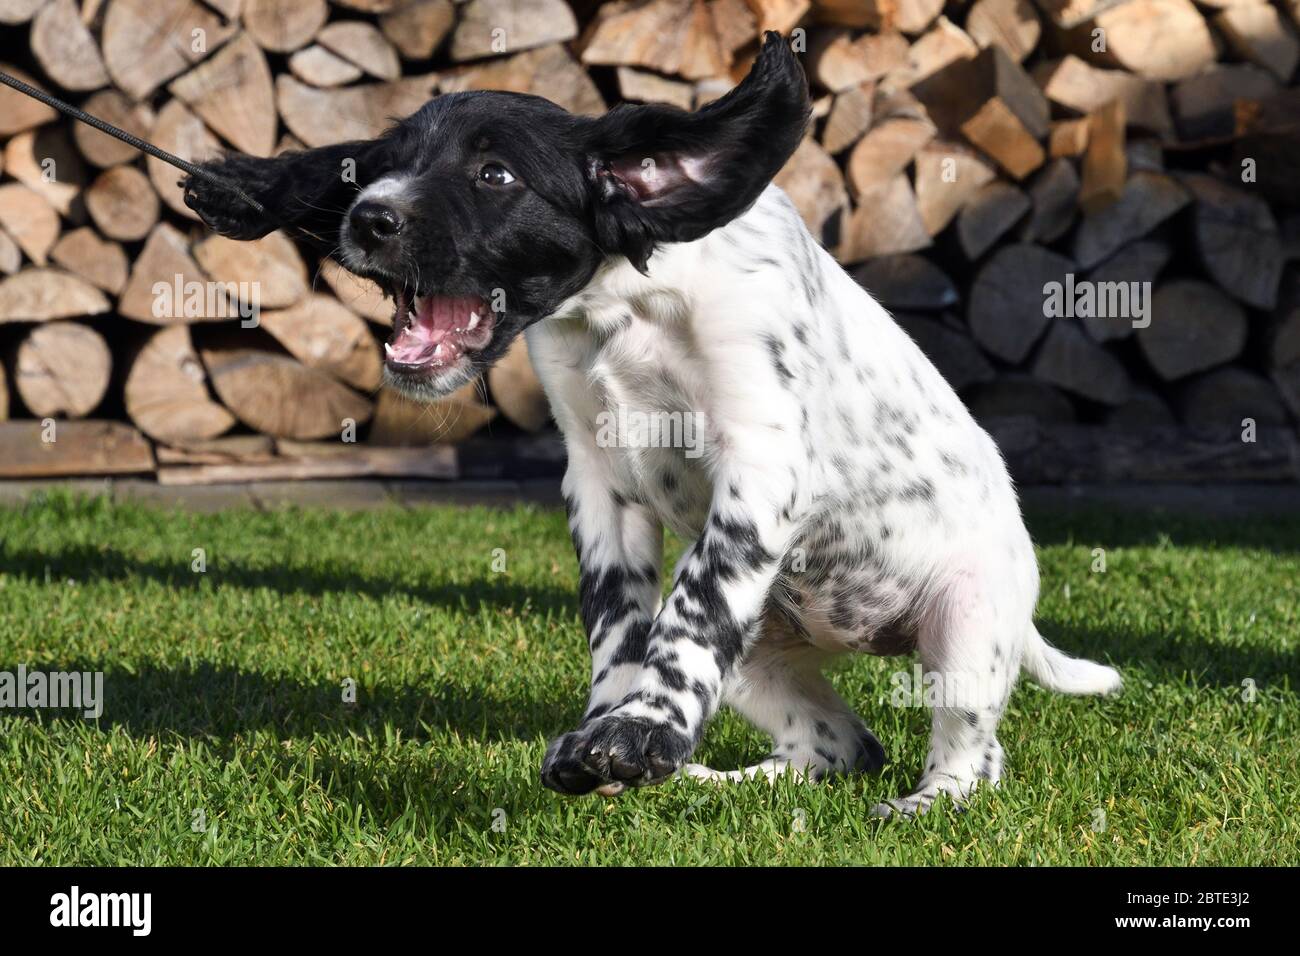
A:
[1071,13]
[166,391]
[1007,313]
[319,67]
[29,220]
[1019,396]
[79,448]
[232,94]
[163,266]
[362,45]
[1010,24]
[670,36]
[222,450]
[884,152]
[403,422]
[344,461]
[1268,145]
[65,49]
[814,184]
[362,296]
[1204,104]
[886,221]
[322,117]
[323,334]
[1069,454]
[19,11]
[1162,40]
[1083,88]
[495,27]
[549,71]
[948,175]
[62,369]
[1053,194]
[1071,361]
[1193,327]
[642,86]
[966,86]
[283,26]
[180,132]
[277,395]
[141,56]
[1144,154]
[836,63]
[989,215]
[907,282]
[113,107]
[39,295]
[516,389]
[1231,397]
[994,104]
[45,161]
[418,29]
[779,15]
[943,45]
[100,262]
[957,358]
[735,23]
[1147,201]
[1128,273]
[1105,164]
[1000,134]
[18,111]
[1257,33]
[910,16]
[11,257]
[1069,138]
[1143,409]
[1237,239]
[271,267]
[122,203]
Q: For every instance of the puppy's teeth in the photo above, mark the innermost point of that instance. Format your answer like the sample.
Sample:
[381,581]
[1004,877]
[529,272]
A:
[388,349]
[473,321]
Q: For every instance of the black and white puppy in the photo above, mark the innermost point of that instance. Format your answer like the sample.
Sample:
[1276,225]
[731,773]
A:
[840,497]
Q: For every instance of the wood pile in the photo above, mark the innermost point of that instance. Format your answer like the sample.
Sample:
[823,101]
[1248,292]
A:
[1085,211]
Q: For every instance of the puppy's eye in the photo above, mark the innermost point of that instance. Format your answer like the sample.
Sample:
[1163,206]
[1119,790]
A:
[495,174]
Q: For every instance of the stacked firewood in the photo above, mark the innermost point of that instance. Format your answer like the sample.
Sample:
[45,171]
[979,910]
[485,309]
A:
[966,157]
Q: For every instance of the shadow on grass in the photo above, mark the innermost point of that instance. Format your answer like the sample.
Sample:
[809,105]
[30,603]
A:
[1114,528]
[86,563]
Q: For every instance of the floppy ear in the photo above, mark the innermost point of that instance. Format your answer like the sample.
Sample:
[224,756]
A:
[664,175]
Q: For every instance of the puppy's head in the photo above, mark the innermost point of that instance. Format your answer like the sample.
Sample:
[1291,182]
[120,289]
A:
[499,206]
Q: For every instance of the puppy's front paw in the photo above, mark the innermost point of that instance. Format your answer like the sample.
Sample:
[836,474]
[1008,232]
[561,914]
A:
[612,752]
[562,768]
[218,204]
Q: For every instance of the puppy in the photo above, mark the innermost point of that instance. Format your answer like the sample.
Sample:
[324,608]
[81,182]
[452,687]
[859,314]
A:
[839,496]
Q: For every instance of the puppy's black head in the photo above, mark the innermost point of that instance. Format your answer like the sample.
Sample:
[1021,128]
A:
[496,207]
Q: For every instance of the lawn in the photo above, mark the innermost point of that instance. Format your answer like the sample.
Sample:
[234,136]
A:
[226,737]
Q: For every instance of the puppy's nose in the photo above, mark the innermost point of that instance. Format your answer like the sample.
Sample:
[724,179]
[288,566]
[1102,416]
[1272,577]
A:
[371,224]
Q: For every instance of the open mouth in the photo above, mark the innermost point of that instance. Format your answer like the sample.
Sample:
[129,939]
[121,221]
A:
[434,332]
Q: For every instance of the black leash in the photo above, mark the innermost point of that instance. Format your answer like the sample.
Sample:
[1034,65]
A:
[131,140]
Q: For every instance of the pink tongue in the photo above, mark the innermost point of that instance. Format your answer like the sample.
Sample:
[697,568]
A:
[437,319]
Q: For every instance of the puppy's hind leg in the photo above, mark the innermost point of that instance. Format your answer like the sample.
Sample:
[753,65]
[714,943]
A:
[780,689]
[970,648]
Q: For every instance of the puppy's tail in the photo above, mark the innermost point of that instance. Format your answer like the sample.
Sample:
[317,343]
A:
[1064,674]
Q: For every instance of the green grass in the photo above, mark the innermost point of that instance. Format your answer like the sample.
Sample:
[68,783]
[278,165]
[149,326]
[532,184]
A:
[224,696]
